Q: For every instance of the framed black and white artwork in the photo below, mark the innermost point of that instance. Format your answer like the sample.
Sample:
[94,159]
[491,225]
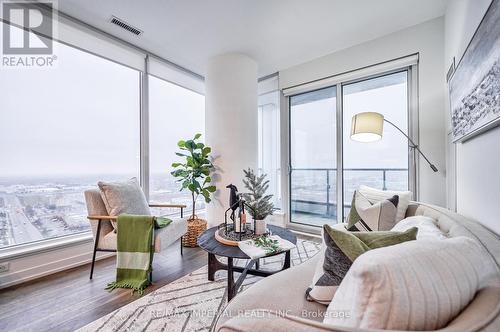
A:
[474,87]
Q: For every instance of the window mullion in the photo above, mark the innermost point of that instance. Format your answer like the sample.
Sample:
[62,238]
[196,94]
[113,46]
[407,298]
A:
[144,129]
[340,157]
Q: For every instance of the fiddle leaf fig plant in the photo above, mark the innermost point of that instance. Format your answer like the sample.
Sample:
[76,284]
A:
[194,172]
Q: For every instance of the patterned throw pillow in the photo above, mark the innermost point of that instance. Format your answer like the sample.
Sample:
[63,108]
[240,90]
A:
[341,249]
[365,216]
[377,195]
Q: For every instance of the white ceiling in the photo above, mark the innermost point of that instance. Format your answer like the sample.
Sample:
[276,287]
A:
[277,33]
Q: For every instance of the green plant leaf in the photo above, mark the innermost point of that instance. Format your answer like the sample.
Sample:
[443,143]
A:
[190,145]
[194,172]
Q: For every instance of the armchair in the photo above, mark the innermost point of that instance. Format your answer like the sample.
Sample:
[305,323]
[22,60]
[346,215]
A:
[105,238]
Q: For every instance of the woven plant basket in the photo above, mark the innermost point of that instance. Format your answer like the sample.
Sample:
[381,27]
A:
[195,228]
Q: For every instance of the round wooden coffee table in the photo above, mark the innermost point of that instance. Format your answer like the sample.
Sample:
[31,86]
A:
[214,248]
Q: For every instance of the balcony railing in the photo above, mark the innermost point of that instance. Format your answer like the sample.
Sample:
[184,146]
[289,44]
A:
[313,189]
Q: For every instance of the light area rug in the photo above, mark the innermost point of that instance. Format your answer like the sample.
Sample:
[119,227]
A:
[192,302]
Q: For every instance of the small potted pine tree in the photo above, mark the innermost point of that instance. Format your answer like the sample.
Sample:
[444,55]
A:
[194,174]
[259,204]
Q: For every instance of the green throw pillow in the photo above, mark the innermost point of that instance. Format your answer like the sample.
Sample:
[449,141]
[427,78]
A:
[342,248]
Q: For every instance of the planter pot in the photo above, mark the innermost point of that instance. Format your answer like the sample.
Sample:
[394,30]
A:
[260,227]
[195,228]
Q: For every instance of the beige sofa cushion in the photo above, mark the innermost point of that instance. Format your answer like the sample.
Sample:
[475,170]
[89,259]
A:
[416,285]
[482,314]
[281,291]
[427,229]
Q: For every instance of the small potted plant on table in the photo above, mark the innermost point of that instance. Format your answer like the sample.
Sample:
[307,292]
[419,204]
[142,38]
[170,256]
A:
[259,204]
[194,174]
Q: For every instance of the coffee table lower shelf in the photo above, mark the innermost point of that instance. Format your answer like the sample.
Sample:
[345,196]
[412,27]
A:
[215,265]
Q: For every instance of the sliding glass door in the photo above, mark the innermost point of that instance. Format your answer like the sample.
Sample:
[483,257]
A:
[313,157]
[382,164]
[314,191]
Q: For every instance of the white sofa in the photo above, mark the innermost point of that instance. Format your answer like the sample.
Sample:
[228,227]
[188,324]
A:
[278,303]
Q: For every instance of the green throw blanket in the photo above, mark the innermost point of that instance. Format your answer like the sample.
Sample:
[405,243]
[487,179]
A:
[135,249]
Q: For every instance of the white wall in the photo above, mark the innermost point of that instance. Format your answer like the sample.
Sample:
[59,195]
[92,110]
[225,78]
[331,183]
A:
[477,161]
[427,39]
[230,125]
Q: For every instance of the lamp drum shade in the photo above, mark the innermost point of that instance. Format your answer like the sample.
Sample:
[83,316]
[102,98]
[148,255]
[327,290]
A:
[367,127]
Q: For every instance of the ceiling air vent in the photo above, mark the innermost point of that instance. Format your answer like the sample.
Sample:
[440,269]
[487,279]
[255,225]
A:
[122,24]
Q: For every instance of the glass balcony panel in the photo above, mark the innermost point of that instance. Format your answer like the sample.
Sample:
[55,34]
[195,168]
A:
[313,157]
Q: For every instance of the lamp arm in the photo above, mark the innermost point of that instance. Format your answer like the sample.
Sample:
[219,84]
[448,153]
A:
[415,146]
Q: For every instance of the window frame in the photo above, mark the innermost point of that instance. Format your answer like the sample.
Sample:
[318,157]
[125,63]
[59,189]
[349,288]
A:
[260,141]
[345,79]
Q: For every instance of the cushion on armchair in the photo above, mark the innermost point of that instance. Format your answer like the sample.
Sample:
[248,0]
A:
[124,197]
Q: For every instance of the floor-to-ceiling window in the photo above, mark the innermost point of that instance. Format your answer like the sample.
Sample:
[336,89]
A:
[175,113]
[61,130]
[269,143]
[64,128]
[322,183]
[313,158]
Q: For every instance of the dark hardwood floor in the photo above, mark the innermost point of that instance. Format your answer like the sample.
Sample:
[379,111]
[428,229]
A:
[68,300]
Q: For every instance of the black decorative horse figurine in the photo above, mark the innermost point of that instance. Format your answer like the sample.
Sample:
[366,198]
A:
[234,199]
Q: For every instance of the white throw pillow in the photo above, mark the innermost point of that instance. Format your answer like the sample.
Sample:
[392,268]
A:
[416,285]
[376,195]
[427,229]
[124,197]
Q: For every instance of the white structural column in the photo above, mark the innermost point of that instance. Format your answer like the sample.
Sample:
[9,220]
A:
[230,124]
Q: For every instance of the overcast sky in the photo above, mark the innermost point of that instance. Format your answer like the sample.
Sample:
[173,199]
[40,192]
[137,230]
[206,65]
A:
[313,127]
[82,117]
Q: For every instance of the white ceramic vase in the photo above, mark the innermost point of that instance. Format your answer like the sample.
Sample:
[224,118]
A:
[260,227]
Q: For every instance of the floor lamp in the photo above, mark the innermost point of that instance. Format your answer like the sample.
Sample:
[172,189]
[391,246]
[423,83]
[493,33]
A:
[368,127]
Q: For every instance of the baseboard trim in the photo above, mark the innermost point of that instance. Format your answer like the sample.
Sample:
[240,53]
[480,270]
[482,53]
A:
[39,271]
